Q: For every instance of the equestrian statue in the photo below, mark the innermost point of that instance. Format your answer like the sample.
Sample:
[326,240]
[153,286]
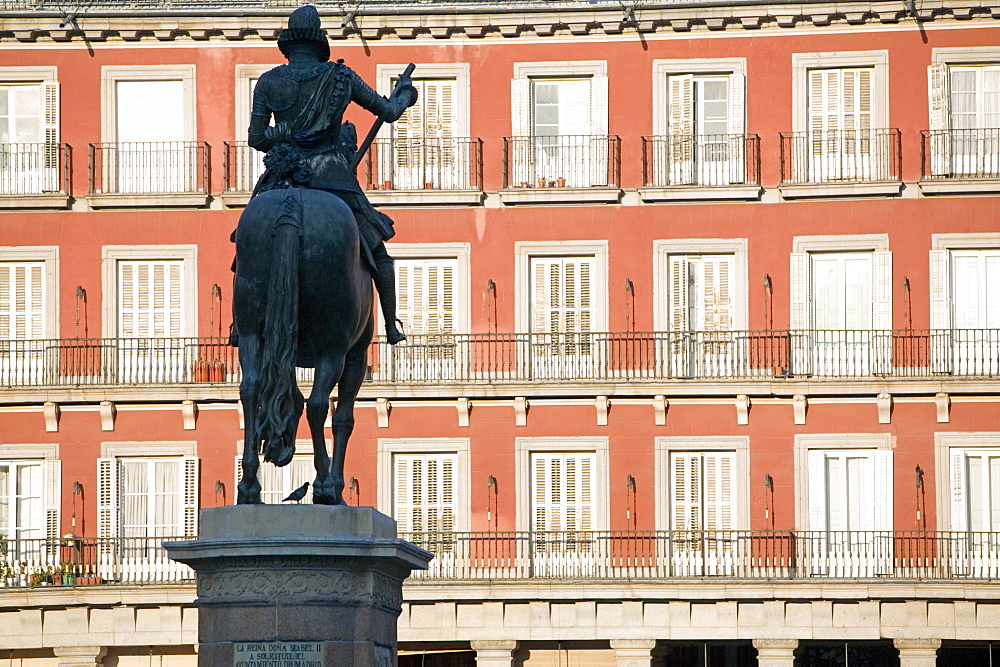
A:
[309,245]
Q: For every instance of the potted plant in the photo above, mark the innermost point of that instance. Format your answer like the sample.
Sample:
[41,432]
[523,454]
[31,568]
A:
[561,182]
[68,573]
[542,181]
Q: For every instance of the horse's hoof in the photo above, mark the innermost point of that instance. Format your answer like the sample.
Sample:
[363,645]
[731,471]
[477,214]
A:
[248,494]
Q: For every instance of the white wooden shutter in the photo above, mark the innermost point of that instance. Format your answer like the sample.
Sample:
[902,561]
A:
[959,504]
[562,491]
[190,497]
[680,304]
[22,301]
[561,294]
[151,294]
[50,131]
[937,93]
[799,291]
[686,491]
[939,290]
[817,490]
[424,493]
[426,295]
[840,99]
[520,100]
[883,290]
[680,128]
[737,107]
[108,481]
[716,286]
[718,492]
[599,106]
[883,519]
[53,497]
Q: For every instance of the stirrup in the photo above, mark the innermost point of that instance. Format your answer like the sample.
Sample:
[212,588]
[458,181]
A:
[394,335]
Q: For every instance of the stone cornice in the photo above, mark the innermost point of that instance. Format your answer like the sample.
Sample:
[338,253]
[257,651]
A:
[498,20]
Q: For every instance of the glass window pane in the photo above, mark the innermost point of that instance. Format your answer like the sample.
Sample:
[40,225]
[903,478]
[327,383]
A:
[27,100]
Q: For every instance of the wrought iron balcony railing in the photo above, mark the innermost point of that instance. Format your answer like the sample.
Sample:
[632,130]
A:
[581,554]
[419,163]
[241,166]
[840,156]
[155,167]
[707,160]
[491,358]
[576,161]
[34,169]
[960,154]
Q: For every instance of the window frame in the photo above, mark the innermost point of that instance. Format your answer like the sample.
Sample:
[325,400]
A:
[462,253]
[389,447]
[803,62]
[49,256]
[807,442]
[944,443]
[524,251]
[525,447]
[664,249]
[664,446]
[384,74]
[48,455]
[111,254]
[942,245]
[112,74]
[665,68]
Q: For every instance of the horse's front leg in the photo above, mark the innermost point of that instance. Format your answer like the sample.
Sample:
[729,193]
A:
[355,367]
[248,491]
[325,488]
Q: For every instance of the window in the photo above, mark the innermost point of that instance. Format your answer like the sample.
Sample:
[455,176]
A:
[560,123]
[432,304]
[149,304]
[841,305]
[29,131]
[965,112]
[30,485]
[968,476]
[698,125]
[145,492]
[840,119]
[847,501]
[965,304]
[565,305]
[149,124]
[28,312]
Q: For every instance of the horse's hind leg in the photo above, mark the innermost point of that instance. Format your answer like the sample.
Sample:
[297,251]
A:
[355,367]
[248,491]
[328,372]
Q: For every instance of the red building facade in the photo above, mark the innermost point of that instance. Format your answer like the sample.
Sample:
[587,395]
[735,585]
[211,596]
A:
[703,309]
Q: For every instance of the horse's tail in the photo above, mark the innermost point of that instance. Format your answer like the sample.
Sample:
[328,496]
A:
[280,406]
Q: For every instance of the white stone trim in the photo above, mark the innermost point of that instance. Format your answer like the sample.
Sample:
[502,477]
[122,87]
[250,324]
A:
[25,452]
[387,447]
[663,249]
[243,98]
[840,243]
[384,74]
[980,241]
[662,68]
[524,447]
[144,449]
[525,250]
[462,282]
[803,62]
[804,442]
[29,74]
[49,256]
[664,445]
[944,442]
[962,55]
[112,74]
[111,254]
[560,68]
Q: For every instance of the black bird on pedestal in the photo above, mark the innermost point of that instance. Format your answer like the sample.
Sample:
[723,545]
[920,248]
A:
[298,494]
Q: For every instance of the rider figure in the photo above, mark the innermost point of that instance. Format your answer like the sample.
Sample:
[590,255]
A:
[307,98]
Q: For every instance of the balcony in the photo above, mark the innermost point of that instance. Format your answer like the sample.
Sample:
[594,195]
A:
[167,173]
[706,166]
[241,167]
[425,170]
[35,175]
[763,555]
[840,163]
[960,161]
[561,168]
[490,359]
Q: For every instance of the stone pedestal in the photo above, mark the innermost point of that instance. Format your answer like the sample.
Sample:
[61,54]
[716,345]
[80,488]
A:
[312,585]
[917,652]
[775,652]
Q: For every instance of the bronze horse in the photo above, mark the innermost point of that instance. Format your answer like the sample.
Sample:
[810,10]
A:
[302,298]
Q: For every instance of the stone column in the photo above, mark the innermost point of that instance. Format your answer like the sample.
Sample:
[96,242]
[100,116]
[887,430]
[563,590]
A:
[81,656]
[313,584]
[775,652]
[494,652]
[633,652]
[917,652]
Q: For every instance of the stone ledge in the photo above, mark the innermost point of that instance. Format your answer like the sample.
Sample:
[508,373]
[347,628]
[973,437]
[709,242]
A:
[955,186]
[59,200]
[702,193]
[566,195]
[428,197]
[183,200]
[819,190]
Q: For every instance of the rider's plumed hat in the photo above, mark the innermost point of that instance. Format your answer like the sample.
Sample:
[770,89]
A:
[303,27]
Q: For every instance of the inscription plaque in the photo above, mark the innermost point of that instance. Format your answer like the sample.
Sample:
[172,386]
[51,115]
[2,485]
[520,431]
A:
[278,654]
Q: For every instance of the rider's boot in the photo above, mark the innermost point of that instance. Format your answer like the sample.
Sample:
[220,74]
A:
[385,283]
